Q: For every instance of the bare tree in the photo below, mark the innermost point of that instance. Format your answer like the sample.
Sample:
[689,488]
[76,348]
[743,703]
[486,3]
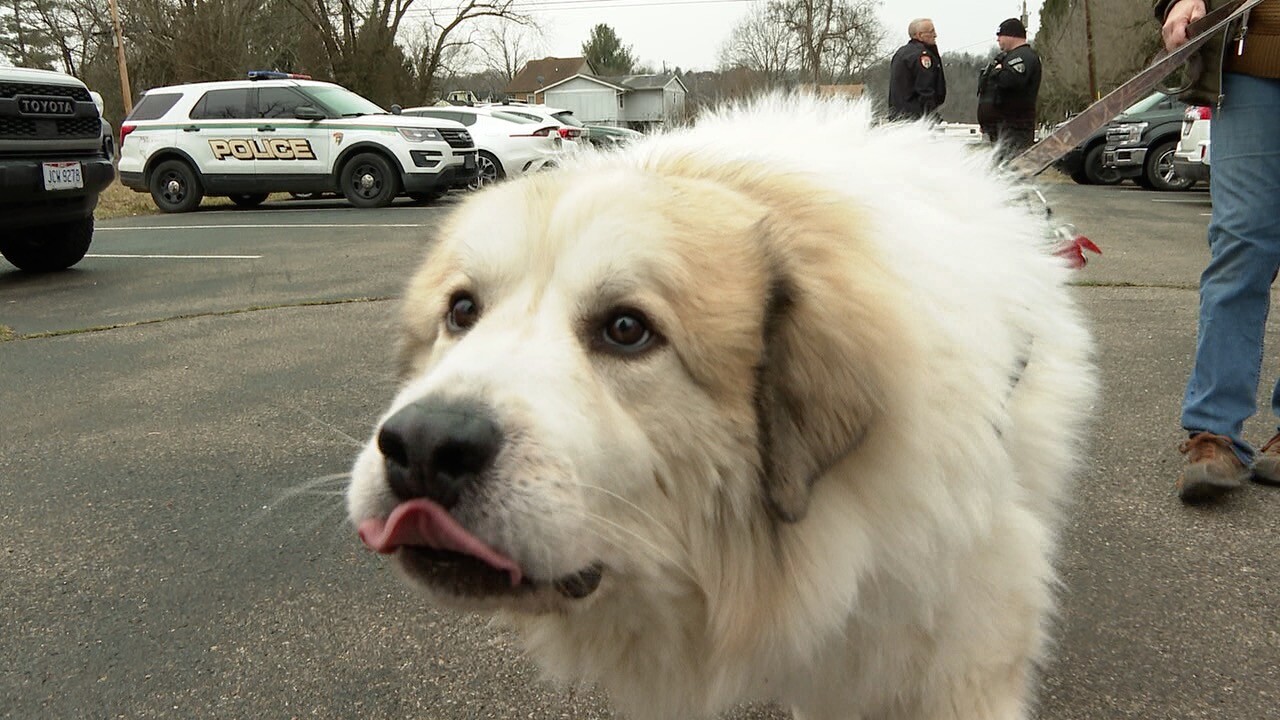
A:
[762,43]
[30,34]
[433,64]
[506,46]
[844,32]
[852,55]
[447,38]
[358,38]
[1122,46]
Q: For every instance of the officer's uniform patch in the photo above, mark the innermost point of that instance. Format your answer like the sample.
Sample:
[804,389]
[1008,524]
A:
[926,62]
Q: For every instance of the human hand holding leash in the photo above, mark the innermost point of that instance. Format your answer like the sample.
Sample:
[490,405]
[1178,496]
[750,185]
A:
[1181,15]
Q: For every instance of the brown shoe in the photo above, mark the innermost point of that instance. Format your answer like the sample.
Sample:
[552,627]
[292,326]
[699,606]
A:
[1266,465]
[1212,468]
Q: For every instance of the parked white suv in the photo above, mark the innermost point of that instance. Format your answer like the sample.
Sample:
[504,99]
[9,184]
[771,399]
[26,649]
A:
[278,132]
[509,145]
[571,130]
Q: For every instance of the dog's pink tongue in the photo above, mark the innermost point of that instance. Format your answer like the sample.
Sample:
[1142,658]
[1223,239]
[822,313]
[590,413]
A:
[422,523]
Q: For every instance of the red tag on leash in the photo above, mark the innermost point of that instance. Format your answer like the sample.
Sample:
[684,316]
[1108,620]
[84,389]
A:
[1073,247]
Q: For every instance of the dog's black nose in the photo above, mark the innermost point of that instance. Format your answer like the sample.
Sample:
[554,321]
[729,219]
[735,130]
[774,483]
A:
[436,449]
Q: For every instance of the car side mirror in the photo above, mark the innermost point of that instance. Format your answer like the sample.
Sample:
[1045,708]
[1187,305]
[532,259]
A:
[396,109]
[308,112]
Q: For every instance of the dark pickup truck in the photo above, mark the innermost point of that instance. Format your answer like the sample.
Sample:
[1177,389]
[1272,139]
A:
[1096,160]
[55,159]
[1142,140]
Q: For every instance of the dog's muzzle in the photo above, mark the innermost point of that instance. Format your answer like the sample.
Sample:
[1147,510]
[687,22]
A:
[436,453]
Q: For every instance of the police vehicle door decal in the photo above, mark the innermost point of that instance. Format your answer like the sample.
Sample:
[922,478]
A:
[258,149]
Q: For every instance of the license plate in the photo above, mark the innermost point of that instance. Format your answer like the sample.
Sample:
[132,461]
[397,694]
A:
[63,176]
[469,161]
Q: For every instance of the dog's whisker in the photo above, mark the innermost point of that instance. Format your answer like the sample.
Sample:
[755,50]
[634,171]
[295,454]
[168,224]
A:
[644,513]
[323,479]
[330,427]
[632,534]
[325,518]
[314,487]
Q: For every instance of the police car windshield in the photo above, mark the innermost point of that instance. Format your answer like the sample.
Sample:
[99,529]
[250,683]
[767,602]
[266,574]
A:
[342,101]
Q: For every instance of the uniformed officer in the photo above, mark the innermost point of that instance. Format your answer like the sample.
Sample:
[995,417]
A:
[1007,90]
[917,85]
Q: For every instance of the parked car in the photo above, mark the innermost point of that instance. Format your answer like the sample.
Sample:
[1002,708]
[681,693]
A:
[604,136]
[55,159]
[1191,159]
[964,133]
[1141,141]
[1083,163]
[509,145]
[570,127]
[278,132]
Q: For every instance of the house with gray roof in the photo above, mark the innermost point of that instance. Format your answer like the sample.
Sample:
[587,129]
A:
[639,102]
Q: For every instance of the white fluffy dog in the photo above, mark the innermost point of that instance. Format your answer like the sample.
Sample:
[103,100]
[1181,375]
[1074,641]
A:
[781,407]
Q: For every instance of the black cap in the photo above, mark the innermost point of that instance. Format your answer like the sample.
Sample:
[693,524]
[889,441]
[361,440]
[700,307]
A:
[1012,27]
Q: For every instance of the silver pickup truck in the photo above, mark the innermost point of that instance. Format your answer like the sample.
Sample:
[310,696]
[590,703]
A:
[55,158]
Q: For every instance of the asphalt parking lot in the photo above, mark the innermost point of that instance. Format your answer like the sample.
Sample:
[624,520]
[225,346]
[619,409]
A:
[180,408]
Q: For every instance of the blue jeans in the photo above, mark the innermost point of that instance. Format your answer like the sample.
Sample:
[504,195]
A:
[1244,243]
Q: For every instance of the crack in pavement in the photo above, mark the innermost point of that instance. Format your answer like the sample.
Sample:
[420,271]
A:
[7,334]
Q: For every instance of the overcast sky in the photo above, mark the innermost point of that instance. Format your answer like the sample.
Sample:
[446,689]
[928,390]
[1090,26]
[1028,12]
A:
[689,33]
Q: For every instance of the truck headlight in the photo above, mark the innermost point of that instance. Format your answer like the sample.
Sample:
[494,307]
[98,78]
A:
[1135,132]
[419,134]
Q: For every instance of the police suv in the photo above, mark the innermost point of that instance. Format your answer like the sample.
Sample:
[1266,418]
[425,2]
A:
[281,132]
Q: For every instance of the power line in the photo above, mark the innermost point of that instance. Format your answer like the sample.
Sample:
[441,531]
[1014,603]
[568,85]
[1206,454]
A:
[539,6]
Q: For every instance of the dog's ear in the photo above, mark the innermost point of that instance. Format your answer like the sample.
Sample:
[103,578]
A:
[821,379]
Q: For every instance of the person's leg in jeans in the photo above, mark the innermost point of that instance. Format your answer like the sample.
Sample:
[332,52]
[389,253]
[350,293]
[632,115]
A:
[1235,289]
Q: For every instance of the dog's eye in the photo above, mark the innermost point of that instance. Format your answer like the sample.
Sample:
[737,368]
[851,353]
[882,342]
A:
[628,331]
[463,312]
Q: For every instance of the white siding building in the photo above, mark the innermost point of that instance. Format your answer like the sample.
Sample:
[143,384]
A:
[639,102]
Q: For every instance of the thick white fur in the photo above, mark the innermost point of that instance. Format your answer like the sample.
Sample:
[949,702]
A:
[919,582]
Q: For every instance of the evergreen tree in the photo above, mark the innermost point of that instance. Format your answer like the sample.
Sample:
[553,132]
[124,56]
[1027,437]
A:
[606,53]
[25,39]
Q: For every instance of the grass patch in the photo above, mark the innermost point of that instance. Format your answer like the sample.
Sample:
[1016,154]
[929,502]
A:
[118,201]
[1122,284]
[6,333]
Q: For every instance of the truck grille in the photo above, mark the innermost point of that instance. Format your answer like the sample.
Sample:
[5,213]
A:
[457,138]
[13,89]
[46,129]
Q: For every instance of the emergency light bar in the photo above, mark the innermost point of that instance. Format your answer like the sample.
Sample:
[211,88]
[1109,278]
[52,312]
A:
[276,75]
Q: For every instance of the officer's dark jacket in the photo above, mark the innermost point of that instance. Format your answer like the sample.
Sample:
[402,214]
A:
[917,85]
[1008,93]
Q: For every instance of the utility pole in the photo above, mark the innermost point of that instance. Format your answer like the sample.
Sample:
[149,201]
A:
[125,95]
[1088,41]
[1024,13]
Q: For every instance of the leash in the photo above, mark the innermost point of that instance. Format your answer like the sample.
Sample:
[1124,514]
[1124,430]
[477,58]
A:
[1037,158]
